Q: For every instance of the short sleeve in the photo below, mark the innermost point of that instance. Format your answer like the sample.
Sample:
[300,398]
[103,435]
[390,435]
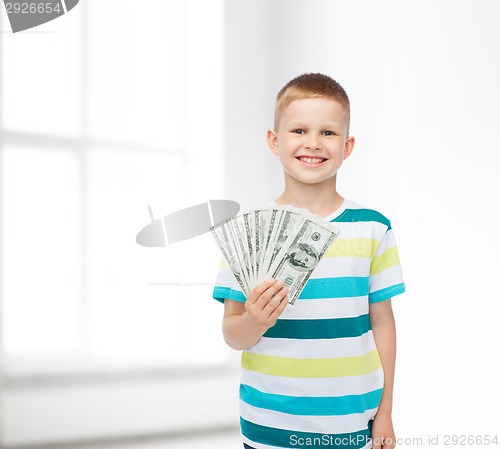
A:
[226,285]
[386,277]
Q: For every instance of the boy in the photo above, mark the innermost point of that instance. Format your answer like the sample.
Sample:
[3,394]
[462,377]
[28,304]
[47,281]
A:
[318,373]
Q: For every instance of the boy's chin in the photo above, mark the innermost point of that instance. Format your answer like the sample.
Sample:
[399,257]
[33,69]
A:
[312,180]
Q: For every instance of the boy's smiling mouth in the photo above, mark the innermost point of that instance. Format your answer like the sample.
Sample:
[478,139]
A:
[311,161]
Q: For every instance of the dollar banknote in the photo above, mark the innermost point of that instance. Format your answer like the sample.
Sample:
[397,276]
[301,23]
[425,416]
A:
[283,242]
[296,261]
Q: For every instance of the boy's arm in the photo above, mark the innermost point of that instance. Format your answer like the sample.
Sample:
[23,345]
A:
[244,323]
[384,333]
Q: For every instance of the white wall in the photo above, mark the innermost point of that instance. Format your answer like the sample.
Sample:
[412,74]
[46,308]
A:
[251,171]
[422,79]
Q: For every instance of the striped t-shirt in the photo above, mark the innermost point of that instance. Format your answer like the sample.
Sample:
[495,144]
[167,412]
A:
[315,378]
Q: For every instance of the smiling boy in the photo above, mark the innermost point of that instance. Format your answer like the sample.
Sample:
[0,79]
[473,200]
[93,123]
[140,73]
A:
[323,369]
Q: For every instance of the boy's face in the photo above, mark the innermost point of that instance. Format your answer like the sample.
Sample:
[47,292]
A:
[312,140]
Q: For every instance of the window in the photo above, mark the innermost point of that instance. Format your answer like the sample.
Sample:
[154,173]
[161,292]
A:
[94,129]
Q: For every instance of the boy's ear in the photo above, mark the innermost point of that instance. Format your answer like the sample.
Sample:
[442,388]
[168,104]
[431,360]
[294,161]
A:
[272,141]
[349,146]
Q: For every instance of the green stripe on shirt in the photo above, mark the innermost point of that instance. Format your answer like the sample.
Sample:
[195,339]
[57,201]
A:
[387,259]
[336,287]
[311,406]
[356,215]
[297,439]
[320,328]
[311,368]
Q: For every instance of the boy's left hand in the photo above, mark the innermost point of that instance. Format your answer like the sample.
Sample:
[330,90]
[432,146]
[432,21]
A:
[383,436]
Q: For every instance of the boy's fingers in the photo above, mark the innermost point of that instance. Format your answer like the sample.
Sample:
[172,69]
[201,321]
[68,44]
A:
[276,299]
[277,311]
[261,288]
[269,294]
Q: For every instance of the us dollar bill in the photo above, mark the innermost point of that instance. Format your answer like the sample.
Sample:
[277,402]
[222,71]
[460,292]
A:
[289,225]
[282,242]
[262,219]
[236,234]
[271,224]
[249,236]
[224,243]
[295,262]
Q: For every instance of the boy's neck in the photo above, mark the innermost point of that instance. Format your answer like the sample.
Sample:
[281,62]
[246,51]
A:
[321,200]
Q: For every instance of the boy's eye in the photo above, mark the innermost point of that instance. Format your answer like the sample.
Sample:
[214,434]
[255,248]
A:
[328,133]
[298,131]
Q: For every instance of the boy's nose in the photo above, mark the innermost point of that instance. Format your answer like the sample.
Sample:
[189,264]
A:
[312,143]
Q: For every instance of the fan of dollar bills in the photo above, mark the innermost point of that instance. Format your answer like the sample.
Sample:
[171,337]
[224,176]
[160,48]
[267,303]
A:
[282,242]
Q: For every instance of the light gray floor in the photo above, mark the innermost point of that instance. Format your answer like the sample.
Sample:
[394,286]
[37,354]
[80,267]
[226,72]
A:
[225,439]
[230,440]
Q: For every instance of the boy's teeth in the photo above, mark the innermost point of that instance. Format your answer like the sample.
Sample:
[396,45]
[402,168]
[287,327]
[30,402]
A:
[311,160]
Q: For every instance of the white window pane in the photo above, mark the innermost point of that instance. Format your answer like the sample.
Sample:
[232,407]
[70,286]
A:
[136,74]
[42,77]
[205,95]
[41,253]
[130,318]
